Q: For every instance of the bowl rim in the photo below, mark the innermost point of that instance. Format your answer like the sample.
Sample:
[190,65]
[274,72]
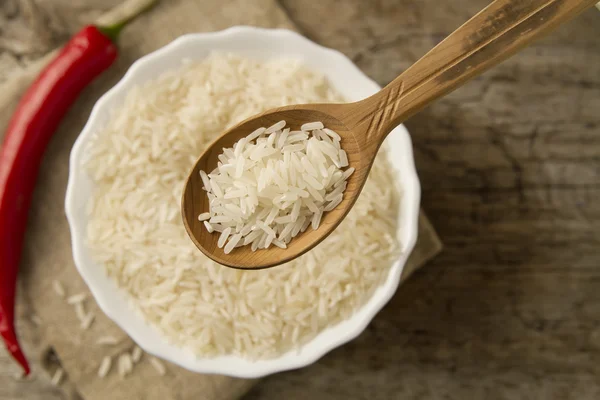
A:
[241,368]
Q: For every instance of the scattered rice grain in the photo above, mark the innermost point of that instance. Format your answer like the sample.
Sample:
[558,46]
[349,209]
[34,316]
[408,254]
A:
[59,289]
[158,366]
[57,377]
[134,231]
[104,368]
[77,298]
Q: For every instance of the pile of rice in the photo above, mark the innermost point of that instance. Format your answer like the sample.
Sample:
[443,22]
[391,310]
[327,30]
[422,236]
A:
[273,183]
[139,164]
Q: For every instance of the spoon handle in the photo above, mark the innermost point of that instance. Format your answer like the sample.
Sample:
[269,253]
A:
[491,36]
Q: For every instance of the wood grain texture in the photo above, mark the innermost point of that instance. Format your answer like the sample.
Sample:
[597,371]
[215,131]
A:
[509,165]
[495,33]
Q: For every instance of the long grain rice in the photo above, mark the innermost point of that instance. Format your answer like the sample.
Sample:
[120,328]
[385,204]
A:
[104,368]
[57,377]
[139,164]
[158,366]
[59,289]
[77,298]
[136,354]
[107,341]
[267,189]
[125,365]
[87,321]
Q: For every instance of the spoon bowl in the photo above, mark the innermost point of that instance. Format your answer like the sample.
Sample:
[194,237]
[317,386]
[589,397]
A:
[195,200]
[491,36]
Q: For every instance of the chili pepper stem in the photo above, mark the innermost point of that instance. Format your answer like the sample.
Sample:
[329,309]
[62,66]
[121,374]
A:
[112,31]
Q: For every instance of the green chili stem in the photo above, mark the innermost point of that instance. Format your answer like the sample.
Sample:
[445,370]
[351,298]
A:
[113,31]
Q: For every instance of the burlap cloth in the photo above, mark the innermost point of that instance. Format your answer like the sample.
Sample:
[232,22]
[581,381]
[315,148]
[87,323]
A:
[47,254]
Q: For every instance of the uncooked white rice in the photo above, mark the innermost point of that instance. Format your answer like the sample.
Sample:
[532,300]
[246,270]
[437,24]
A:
[77,298]
[136,354]
[107,341]
[59,289]
[80,312]
[267,183]
[104,368]
[139,164]
[57,376]
[125,365]
[158,366]
[87,321]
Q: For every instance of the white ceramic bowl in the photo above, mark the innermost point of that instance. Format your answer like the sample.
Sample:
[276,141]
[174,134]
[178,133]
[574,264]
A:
[259,44]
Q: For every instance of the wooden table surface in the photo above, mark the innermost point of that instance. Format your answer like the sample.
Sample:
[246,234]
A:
[510,168]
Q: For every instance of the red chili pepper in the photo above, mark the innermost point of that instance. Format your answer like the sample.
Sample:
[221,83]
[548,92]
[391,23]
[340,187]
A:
[40,110]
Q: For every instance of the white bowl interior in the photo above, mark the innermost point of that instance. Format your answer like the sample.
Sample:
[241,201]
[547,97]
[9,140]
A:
[259,44]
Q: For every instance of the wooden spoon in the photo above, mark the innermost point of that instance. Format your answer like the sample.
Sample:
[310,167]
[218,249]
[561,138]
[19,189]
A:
[488,38]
